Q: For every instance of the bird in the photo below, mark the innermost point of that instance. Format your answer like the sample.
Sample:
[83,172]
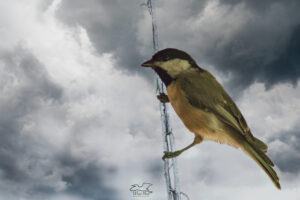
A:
[205,108]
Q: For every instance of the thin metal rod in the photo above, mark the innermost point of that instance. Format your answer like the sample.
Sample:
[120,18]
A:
[168,136]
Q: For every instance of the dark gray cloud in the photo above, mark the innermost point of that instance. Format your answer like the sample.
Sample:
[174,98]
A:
[87,180]
[265,49]
[111,26]
[286,66]
[287,154]
[155,169]
[27,160]
[248,40]
[84,138]
[24,86]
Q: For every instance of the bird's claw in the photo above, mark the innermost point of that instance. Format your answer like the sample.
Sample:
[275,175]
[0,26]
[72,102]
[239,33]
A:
[168,154]
[163,98]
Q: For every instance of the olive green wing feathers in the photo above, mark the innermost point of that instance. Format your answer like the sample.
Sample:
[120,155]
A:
[204,92]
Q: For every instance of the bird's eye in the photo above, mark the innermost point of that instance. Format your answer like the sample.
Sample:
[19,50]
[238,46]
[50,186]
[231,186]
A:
[166,58]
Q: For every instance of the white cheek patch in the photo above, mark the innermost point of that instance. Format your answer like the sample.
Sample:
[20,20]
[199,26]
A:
[175,66]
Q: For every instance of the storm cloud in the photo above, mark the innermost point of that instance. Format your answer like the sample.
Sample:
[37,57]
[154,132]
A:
[246,40]
[288,158]
[25,88]
[111,26]
[79,117]
[28,158]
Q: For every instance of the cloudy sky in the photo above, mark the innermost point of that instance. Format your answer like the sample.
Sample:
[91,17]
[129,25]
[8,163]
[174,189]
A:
[79,118]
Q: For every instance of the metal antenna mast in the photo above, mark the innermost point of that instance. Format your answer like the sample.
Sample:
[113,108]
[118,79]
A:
[171,178]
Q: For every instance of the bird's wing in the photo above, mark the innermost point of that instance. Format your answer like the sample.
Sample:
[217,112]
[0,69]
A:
[204,92]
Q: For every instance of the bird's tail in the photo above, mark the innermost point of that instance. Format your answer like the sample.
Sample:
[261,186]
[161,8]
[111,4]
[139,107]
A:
[263,161]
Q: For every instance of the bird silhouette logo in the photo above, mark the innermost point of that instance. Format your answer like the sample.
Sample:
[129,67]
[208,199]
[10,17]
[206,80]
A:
[139,190]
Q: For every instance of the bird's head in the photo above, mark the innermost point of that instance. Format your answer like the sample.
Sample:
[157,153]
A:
[171,61]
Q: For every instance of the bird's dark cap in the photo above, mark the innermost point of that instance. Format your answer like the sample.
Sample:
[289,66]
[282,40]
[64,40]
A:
[168,54]
[171,53]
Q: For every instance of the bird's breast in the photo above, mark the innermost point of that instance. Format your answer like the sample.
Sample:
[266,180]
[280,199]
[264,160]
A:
[193,118]
[200,122]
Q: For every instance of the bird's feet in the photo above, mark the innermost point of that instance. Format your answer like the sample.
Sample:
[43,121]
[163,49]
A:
[171,154]
[163,98]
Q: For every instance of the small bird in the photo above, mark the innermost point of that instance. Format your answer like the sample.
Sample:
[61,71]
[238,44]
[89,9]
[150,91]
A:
[205,107]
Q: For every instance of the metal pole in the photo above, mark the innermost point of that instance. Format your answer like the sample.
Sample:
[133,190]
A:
[168,136]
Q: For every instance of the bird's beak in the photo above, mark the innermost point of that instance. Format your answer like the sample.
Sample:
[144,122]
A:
[148,63]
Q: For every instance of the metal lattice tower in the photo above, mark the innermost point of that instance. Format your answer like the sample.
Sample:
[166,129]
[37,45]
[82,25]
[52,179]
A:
[170,166]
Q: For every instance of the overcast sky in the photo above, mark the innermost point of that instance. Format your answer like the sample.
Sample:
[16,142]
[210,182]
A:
[79,118]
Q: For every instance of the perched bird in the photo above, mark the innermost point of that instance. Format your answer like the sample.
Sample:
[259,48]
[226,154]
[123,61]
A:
[205,108]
